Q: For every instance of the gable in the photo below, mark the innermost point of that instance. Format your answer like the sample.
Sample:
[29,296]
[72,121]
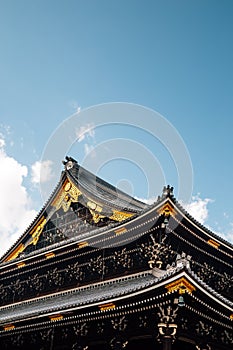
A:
[68,214]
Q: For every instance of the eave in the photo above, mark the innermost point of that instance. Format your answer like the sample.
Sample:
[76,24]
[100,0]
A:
[129,230]
[114,292]
[198,230]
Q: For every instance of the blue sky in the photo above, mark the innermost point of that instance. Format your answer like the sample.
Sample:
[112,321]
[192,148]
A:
[173,56]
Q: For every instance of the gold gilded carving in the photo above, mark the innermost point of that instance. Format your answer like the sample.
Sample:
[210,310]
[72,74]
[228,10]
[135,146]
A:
[21,264]
[16,252]
[68,193]
[95,211]
[181,285]
[49,255]
[67,187]
[120,215]
[96,216]
[108,306]
[56,317]
[35,235]
[94,206]
[120,231]
[37,230]
[167,209]
[9,327]
[82,245]
[213,243]
[231,317]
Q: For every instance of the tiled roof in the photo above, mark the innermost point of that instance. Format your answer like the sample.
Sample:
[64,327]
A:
[98,293]
[74,298]
[101,191]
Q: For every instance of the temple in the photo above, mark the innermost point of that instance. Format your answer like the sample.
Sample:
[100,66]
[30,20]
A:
[98,269]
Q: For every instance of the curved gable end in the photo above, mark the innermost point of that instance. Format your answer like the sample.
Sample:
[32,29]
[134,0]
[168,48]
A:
[80,203]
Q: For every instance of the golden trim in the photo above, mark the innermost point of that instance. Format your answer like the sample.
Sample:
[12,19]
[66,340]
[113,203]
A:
[67,187]
[96,216]
[21,264]
[82,245]
[15,252]
[120,215]
[231,317]
[56,317]
[108,306]
[120,231]
[9,327]
[95,211]
[68,193]
[167,209]
[35,233]
[181,285]
[49,255]
[213,243]
[94,206]
[37,230]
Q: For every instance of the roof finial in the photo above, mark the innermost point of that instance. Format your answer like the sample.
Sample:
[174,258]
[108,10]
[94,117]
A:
[69,162]
[167,191]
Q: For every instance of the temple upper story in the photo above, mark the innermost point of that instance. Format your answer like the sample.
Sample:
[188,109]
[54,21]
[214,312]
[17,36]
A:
[83,205]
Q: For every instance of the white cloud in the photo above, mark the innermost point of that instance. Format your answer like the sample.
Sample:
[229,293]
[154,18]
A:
[198,208]
[75,106]
[89,148]
[85,131]
[225,232]
[41,172]
[6,129]
[2,142]
[228,236]
[149,201]
[15,203]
